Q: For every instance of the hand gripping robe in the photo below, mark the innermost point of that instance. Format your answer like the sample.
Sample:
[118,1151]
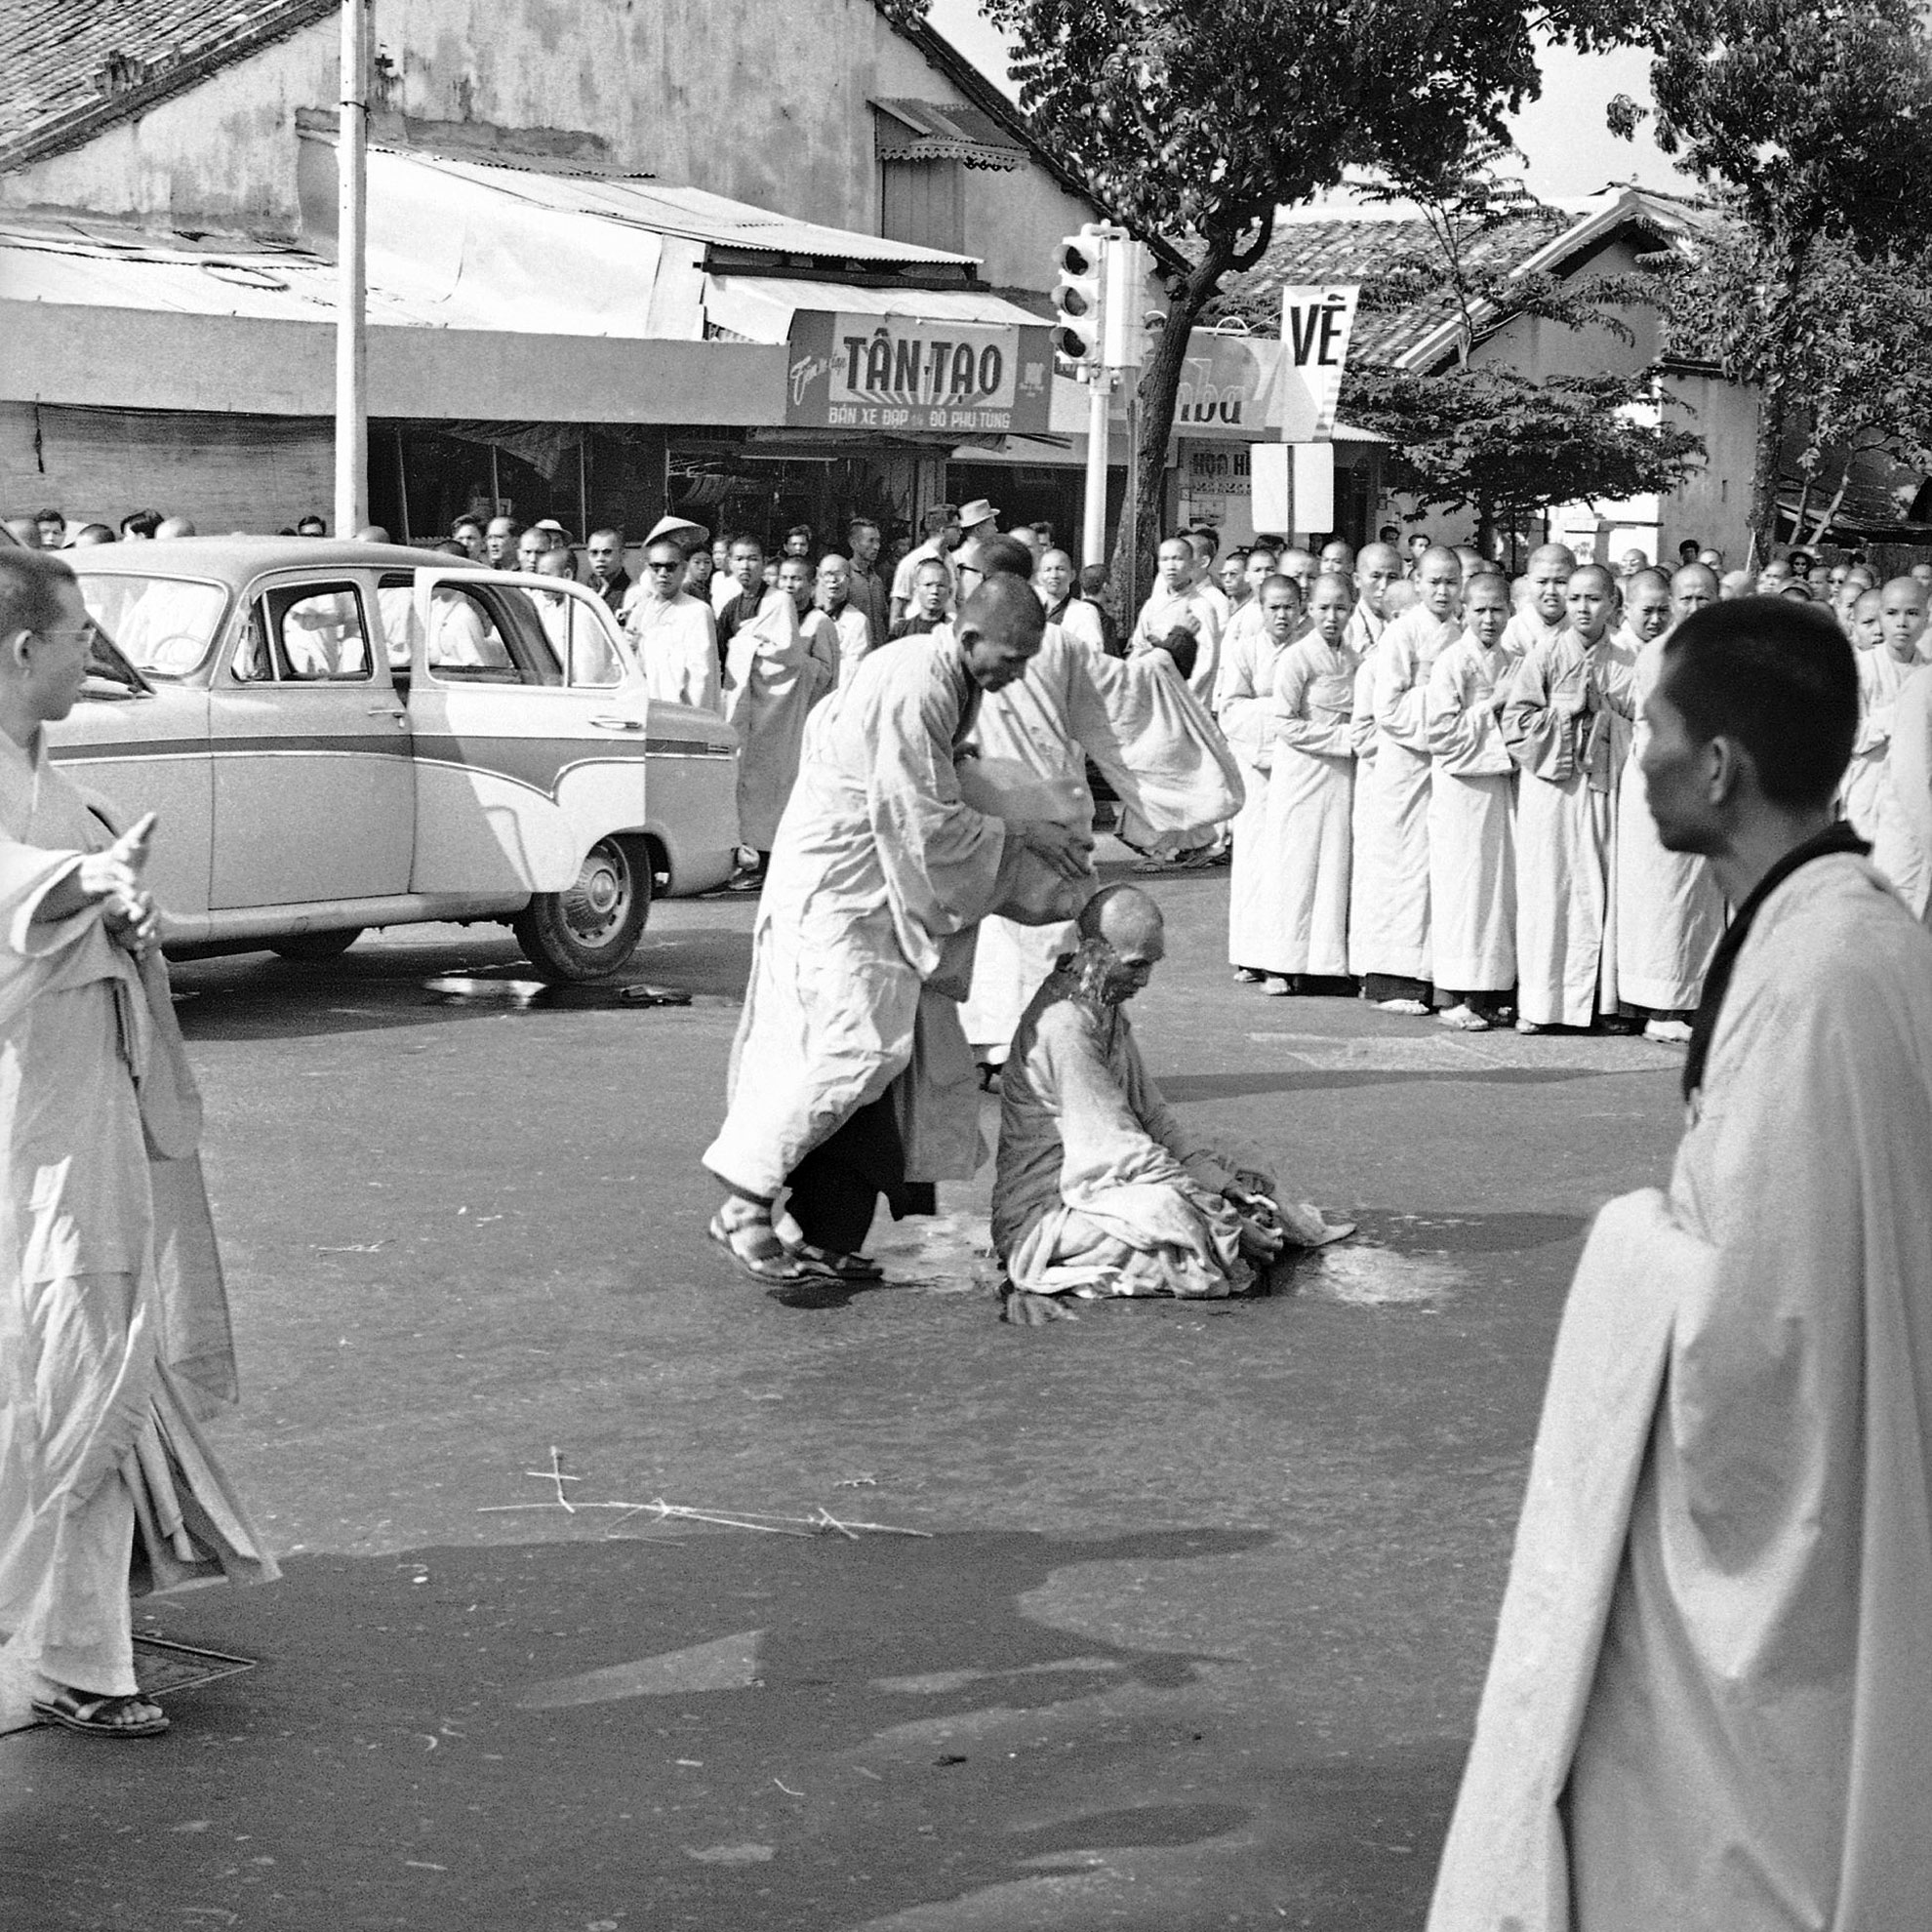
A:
[1309,838]
[1392,905]
[775,672]
[1472,814]
[114,1339]
[862,945]
[1669,912]
[1566,823]
[1244,707]
[1100,1189]
[1710,1698]
[677,644]
[1162,754]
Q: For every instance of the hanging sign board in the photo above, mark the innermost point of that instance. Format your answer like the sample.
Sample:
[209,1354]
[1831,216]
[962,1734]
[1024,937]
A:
[1316,323]
[902,373]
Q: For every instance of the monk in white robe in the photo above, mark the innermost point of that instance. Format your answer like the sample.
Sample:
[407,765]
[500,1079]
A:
[1669,912]
[1903,852]
[1180,602]
[1567,721]
[1541,600]
[1101,1189]
[1065,607]
[675,634]
[849,624]
[850,1076]
[1145,730]
[1711,1702]
[1139,724]
[1472,814]
[1390,942]
[775,672]
[1897,848]
[114,1339]
[1244,708]
[1377,569]
[1879,676]
[1308,832]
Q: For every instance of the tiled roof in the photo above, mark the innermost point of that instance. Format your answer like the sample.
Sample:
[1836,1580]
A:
[1357,250]
[75,66]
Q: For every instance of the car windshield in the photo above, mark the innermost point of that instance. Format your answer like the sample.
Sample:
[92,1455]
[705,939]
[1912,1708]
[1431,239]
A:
[163,625]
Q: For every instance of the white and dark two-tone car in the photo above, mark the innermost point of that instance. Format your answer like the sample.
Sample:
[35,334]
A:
[337,736]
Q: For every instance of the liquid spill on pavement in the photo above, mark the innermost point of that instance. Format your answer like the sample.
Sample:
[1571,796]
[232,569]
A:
[1365,1275]
[941,1254]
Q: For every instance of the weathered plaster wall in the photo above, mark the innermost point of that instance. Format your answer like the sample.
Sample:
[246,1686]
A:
[760,102]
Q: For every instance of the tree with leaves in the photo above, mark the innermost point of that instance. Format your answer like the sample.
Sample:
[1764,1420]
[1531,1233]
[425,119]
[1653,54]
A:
[1811,125]
[1852,349]
[1488,438]
[1197,119]
[1511,447]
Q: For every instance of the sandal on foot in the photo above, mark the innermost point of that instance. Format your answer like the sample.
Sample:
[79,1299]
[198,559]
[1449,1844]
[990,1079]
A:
[755,1250]
[101,1716]
[1410,1009]
[830,1266]
[1465,1018]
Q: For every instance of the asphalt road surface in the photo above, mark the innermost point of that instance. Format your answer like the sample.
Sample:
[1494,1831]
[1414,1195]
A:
[1192,1636]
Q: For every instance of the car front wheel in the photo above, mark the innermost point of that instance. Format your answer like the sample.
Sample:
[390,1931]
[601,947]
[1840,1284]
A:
[589,930]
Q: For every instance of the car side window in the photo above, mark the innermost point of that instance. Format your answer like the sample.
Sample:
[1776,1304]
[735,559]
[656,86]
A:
[465,644]
[319,634]
[582,644]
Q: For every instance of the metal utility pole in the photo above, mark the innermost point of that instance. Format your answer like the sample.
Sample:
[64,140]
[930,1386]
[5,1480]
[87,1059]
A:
[1092,521]
[352,272]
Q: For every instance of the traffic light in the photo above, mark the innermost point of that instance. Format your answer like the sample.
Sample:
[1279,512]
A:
[1078,298]
[1123,339]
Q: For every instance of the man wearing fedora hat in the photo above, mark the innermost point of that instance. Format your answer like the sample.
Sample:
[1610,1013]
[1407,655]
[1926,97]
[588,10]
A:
[979,524]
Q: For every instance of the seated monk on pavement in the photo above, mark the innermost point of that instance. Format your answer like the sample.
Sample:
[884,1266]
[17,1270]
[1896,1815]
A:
[1101,1189]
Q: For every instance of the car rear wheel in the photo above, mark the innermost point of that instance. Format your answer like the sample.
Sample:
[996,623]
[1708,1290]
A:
[308,948]
[589,930]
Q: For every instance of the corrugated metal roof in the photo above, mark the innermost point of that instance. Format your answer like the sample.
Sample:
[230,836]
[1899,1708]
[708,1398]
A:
[689,213]
[758,308]
[118,268]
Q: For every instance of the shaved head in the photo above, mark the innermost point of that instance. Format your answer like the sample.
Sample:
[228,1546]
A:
[1123,915]
[1700,575]
[1550,555]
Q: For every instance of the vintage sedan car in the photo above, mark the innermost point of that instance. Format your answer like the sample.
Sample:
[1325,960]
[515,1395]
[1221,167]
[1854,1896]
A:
[339,736]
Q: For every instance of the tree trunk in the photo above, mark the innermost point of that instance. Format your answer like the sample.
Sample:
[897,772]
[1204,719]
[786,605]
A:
[1158,394]
[1831,509]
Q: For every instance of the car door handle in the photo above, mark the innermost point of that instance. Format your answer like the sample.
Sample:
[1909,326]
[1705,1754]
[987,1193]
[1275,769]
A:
[388,711]
[610,721]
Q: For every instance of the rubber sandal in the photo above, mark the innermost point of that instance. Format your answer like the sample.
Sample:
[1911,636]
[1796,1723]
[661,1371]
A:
[765,1260]
[1462,1019]
[75,1713]
[830,1266]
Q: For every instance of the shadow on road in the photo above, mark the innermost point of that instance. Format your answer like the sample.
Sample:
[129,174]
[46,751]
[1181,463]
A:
[690,1726]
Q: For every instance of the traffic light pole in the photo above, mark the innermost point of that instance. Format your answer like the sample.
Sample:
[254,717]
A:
[1093,522]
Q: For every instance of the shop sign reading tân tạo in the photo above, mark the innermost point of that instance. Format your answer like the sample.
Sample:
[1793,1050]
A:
[902,373]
